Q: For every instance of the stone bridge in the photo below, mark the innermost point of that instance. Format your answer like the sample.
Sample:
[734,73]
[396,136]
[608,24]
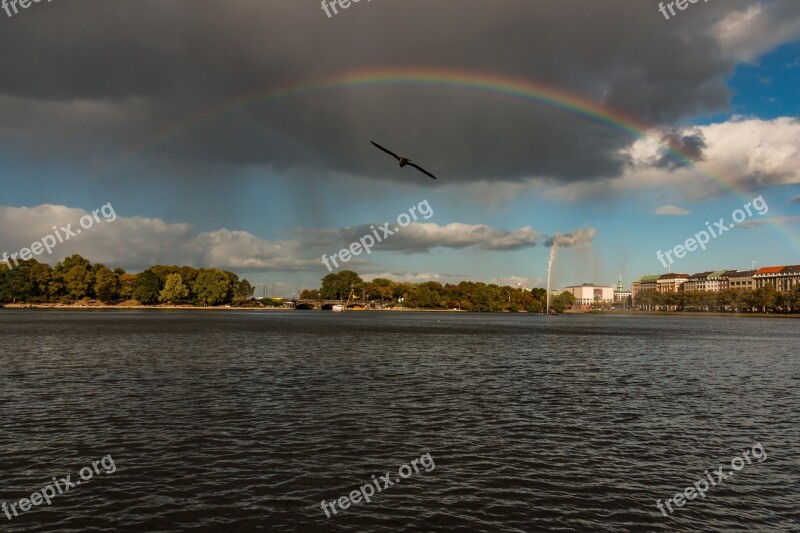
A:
[325,305]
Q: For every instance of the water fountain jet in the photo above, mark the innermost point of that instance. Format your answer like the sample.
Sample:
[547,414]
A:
[550,261]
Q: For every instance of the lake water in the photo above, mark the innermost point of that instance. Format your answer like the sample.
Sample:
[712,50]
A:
[240,421]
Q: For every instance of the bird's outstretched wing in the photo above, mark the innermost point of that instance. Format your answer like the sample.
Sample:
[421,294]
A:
[385,150]
[422,170]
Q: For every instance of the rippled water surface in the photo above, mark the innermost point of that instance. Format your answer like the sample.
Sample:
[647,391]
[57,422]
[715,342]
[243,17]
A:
[240,421]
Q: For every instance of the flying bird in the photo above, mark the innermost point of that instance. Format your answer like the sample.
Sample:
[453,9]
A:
[403,160]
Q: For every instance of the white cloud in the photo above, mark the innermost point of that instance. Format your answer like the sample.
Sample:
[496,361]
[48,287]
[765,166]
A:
[755,153]
[759,222]
[671,210]
[749,33]
[512,281]
[138,242]
[744,153]
[413,277]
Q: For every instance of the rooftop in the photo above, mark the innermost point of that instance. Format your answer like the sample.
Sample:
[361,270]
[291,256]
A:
[770,270]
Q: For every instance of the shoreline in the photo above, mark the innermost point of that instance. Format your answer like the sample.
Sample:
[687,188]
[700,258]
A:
[693,313]
[56,307]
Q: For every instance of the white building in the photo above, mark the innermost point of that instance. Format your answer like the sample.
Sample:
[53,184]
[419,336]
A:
[621,296]
[589,293]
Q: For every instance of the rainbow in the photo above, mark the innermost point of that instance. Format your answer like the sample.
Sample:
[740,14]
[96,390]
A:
[475,83]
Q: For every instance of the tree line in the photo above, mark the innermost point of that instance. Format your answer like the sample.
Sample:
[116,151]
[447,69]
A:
[76,278]
[764,300]
[467,295]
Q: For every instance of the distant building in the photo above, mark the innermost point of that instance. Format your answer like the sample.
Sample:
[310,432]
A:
[621,296]
[741,280]
[707,281]
[725,279]
[645,283]
[589,293]
[783,278]
[696,281]
[671,282]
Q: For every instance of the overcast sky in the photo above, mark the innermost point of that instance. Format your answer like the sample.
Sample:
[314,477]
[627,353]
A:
[88,90]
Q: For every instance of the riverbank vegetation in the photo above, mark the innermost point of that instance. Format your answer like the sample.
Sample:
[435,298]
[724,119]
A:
[763,300]
[467,295]
[77,279]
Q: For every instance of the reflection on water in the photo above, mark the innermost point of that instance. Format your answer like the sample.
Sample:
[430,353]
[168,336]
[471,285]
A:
[239,421]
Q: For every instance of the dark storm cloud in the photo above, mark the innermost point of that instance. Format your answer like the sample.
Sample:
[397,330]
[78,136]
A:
[689,144]
[580,237]
[423,237]
[143,64]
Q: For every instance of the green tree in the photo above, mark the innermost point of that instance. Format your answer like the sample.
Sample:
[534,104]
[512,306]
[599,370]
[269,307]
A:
[535,306]
[73,261]
[765,298]
[746,300]
[233,285]
[425,297]
[793,298]
[106,284]
[14,285]
[383,289]
[174,289]
[646,299]
[726,299]
[211,287]
[78,280]
[162,272]
[561,302]
[189,275]
[146,288]
[127,284]
[310,294]
[243,291]
[40,276]
[337,285]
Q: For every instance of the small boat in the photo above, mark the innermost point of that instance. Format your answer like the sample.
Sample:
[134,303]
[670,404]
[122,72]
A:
[338,308]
